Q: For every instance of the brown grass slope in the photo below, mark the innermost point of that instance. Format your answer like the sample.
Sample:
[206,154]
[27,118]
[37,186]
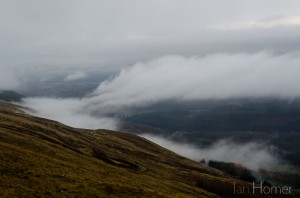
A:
[43,158]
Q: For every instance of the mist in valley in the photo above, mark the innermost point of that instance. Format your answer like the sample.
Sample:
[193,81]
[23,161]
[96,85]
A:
[107,64]
[253,155]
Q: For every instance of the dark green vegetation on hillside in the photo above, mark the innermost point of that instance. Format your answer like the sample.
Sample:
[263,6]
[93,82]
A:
[60,89]
[233,169]
[222,115]
[43,158]
[269,120]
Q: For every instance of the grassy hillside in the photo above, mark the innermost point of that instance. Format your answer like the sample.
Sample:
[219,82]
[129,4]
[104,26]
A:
[43,158]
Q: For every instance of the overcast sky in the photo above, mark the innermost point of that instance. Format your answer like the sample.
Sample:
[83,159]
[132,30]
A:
[155,49]
[75,38]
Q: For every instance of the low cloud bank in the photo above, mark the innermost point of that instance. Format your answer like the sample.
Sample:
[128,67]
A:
[252,155]
[70,112]
[216,76]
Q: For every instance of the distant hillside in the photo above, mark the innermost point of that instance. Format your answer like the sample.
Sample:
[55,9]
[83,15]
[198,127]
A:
[43,158]
[222,115]
[60,89]
[276,121]
[10,96]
